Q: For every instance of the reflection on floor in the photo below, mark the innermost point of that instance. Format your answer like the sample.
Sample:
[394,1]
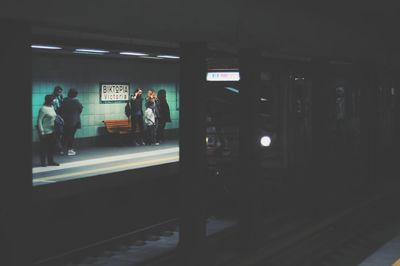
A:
[103,160]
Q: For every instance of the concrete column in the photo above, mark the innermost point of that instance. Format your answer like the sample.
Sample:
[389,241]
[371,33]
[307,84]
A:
[192,240]
[250,202]
[16,140]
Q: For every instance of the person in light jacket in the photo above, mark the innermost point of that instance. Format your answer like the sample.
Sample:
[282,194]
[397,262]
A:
[150,121]
[45,126]
[70,111]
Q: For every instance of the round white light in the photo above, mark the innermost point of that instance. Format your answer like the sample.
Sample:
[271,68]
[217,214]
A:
[265,141]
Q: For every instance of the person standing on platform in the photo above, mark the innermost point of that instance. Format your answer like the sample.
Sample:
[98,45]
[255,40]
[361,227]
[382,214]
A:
[164,115]
[151,101]
[45,126]
[134,111]
[58,99]
[70,111]
[150,121]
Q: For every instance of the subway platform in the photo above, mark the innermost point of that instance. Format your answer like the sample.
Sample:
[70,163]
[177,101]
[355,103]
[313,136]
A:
[103,160]
[387,255]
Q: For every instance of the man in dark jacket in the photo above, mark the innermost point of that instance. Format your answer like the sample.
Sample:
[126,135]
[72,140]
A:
[163,114]
[70,111]
[135,112]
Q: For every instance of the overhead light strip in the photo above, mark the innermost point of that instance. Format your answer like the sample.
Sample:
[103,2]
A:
[168,56]
[133,53]
[94,51]
[48,47]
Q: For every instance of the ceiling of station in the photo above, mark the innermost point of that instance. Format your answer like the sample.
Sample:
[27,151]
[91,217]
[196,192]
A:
[309,28]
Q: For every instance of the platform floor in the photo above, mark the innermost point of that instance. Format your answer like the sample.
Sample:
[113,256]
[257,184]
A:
[387,255]
[103,160]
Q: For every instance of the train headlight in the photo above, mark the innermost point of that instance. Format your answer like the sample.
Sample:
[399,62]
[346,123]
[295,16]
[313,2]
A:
[265,141]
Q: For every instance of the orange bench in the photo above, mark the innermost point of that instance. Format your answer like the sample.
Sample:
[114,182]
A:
[119,127]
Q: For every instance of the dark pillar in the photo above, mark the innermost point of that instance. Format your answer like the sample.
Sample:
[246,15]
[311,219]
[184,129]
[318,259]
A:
[323,180]
[192,238]
[249,164]
[16,139]
[320,120]
[368,122]
[396,74]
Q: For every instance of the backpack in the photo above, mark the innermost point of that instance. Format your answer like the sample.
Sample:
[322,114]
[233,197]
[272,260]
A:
[127,110]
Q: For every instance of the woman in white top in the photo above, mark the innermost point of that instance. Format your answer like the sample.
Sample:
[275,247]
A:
[150,121]
[45,125]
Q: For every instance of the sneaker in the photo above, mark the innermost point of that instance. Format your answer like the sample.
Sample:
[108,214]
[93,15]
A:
[54,163]
[157,143]
[71,152]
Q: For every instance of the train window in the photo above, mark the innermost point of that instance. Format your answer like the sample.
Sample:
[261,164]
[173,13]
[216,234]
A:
[107,125]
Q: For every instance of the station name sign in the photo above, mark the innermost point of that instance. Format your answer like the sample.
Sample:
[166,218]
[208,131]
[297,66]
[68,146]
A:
[223,76]
[114,93]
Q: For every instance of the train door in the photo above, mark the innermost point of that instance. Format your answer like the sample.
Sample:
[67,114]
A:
[271,116]
[222,138]
[298,117]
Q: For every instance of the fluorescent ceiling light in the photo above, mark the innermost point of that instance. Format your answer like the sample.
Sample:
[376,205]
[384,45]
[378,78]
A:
[232,89]
[168,56]
[91,51]
[133,53]
[151,57]
[45,47]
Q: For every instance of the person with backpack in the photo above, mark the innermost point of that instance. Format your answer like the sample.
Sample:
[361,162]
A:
[70,111]
[59,122]
[133,110]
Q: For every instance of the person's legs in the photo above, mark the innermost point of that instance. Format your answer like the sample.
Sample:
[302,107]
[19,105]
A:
[71,140]
[51,144]
[141,130]
[68,142]
[153,134]
[148,135]
[160,131]
[133,129]
[66,136]
[42,150]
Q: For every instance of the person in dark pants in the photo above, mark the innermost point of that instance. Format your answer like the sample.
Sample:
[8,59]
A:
[70,111]
[135,112]
[150,121]
[163,114]
[45,126]
[58,99]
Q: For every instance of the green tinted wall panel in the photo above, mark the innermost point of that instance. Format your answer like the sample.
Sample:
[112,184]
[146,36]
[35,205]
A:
[86,74]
